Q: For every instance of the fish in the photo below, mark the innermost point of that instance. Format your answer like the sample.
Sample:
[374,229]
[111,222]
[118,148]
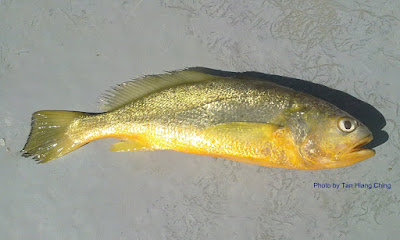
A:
[239,118]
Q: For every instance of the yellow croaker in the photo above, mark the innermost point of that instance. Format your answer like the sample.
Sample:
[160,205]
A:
[247,120]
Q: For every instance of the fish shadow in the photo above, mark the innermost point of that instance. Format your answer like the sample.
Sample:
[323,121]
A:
[362,111]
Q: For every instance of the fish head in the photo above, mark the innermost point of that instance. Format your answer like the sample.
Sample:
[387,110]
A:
[336,141]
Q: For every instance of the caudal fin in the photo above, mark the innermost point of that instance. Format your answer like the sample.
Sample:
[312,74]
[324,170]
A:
[48,139]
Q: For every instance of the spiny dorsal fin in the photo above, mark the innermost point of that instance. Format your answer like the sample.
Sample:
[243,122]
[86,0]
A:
[130,91]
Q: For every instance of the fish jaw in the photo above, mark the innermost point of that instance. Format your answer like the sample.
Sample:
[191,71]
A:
[356,153]
[350,156]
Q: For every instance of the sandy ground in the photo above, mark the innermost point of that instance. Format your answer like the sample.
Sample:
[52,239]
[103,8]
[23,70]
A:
[63,55]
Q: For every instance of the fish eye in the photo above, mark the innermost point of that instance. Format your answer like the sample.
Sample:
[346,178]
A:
[347,125]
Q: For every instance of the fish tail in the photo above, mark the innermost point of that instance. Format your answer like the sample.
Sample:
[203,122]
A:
[48,138]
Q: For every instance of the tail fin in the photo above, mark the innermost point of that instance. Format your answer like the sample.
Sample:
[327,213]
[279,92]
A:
[48,139]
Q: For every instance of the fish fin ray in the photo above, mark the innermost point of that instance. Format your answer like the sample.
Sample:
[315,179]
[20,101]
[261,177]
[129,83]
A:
[127,92]
[47,139]
[129,145]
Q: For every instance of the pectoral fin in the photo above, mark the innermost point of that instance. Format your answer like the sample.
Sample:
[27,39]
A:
[245,130]
[129,145]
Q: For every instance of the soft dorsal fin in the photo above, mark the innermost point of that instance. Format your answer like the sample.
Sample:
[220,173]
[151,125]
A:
[129,91]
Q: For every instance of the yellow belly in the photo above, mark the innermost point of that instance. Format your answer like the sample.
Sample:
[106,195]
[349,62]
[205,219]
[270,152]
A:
[276,149]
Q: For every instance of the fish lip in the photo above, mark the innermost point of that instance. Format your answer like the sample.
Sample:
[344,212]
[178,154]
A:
[357,153]
[358,146]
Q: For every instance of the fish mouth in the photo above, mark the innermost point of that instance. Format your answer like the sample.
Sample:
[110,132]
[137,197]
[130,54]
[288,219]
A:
[357,153]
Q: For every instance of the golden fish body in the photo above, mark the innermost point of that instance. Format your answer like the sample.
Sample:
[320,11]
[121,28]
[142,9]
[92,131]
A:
[247,120]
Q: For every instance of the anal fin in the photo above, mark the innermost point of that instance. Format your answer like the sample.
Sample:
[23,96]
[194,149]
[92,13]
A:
[129,145]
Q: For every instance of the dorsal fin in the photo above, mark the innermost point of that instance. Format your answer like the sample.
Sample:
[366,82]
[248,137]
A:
[130,91]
